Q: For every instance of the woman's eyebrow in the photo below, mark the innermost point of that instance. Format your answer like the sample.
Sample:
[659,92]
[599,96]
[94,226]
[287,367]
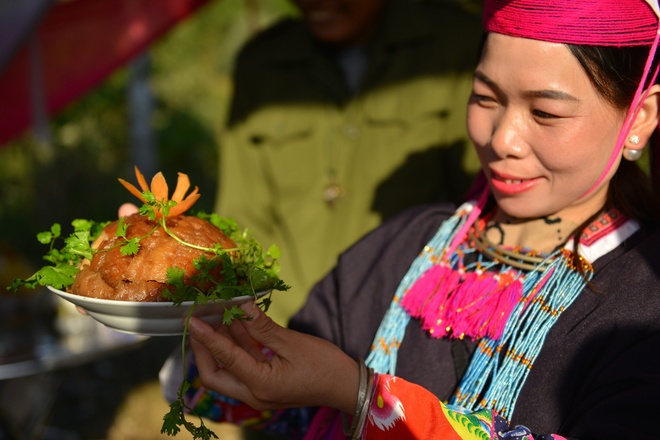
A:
[486,80]
[551,94]
[546,94]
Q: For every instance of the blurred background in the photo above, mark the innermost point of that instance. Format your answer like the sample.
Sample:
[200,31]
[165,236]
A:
[68,130]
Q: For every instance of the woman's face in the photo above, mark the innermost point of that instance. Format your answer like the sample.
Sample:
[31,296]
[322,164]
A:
[542,132]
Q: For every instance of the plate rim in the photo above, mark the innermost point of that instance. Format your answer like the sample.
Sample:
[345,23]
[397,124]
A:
[108,312]
[101,301]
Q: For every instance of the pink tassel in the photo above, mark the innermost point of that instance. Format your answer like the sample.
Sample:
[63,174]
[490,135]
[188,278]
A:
[433,312]
[418,294]
[509,297]
[454,304]
[469,305]
[486,305]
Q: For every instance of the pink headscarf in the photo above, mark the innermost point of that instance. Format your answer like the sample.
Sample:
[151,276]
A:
[591,22]
[584,22]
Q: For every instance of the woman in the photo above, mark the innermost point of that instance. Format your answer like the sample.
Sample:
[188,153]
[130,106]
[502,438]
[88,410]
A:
[537,304]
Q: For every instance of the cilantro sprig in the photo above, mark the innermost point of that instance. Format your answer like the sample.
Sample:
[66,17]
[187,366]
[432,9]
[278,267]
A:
[65,261]
[246,270]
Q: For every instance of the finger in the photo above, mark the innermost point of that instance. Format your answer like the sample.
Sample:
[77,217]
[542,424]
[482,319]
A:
[127,209]
[221,346]
[243,377]
[247,342]
[264,330]
[221,330]
[204,359]
[237,332]
[215,377]
[239,335]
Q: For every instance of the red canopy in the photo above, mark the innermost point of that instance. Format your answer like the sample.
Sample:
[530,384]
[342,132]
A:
[75,46]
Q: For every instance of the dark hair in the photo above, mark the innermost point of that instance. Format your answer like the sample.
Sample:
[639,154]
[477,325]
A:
[615,72]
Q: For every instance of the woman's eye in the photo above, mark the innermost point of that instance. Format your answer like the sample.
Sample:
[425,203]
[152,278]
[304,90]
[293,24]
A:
[543,115]
[481,99]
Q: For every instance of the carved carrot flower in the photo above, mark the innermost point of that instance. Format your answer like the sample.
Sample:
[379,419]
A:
[161,192]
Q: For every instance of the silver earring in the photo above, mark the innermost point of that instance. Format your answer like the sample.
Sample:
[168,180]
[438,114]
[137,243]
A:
[633,139]
[631,155]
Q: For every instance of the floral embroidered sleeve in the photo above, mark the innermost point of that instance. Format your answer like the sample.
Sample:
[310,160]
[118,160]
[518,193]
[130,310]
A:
[400,410]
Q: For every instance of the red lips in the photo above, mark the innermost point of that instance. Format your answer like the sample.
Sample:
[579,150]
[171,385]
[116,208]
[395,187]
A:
[512,185]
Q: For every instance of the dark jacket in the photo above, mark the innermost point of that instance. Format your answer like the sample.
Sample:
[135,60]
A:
[598,373]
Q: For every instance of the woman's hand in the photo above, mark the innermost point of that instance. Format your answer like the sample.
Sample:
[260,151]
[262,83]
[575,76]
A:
[304,370]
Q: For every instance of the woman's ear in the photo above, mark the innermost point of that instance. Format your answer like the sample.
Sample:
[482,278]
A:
[646,121]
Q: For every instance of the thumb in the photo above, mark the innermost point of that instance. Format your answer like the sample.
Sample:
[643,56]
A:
[262,328]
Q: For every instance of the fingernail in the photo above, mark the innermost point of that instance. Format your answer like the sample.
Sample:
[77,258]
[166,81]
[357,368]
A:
[249,309]
[193,324]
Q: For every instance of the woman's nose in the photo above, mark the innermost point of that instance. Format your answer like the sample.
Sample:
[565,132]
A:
[507,139]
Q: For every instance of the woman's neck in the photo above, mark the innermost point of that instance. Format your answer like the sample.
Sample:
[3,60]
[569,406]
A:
[541,234]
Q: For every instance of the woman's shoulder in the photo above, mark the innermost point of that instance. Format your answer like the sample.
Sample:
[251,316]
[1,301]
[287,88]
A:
[641,250]
[629,278]
[641,261]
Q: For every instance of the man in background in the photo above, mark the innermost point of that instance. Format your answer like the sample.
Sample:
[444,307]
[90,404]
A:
[343,118]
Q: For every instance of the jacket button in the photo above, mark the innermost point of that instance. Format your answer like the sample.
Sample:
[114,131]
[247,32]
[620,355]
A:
[352,132]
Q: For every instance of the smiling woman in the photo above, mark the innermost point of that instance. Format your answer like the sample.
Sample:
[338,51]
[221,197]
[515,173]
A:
[535,304]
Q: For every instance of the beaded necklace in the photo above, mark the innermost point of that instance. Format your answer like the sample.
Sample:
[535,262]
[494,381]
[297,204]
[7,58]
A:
[508,303]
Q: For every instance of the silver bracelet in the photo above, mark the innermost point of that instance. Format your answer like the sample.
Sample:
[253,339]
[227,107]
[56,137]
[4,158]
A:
[364,412]
[366,379]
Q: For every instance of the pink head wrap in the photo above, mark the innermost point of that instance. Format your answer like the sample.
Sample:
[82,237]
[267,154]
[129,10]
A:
[591,22]
[584,22]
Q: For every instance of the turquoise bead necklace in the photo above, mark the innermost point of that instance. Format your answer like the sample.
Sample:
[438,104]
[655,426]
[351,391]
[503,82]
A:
[499,367]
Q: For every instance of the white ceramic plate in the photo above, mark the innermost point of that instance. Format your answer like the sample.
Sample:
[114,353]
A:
[149,318]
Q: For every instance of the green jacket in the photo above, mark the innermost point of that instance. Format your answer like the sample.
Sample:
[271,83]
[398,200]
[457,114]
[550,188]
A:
[295,130]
